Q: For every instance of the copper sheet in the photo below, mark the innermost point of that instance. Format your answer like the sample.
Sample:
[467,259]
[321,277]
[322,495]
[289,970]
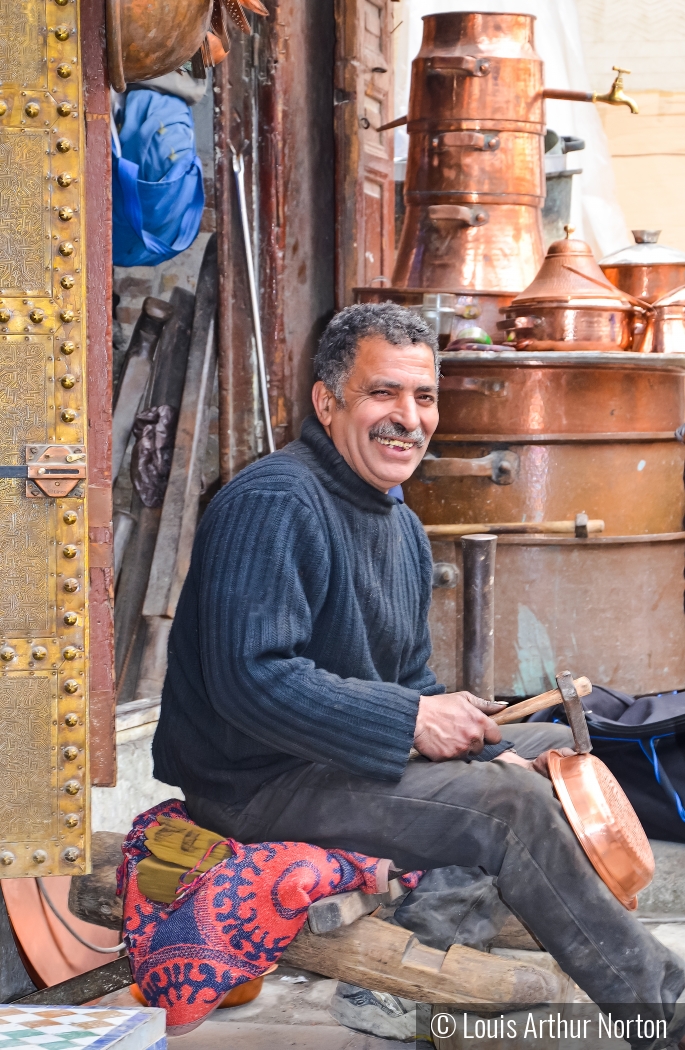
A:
[51,953]
[605,823]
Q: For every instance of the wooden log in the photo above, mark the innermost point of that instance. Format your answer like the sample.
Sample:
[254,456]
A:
[375,954]
[93,898]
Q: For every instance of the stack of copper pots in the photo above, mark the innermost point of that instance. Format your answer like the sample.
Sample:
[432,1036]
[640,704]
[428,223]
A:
[475,182]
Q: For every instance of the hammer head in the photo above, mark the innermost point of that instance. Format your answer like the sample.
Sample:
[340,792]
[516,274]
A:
[574,712]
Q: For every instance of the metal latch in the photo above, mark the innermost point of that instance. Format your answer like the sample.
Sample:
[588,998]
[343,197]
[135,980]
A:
[51,470]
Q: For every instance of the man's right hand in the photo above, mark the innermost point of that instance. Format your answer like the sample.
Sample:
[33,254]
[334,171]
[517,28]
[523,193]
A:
[452,724]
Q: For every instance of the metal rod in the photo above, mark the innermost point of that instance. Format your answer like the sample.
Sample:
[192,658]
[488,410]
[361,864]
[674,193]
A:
[479,614]
[239,169]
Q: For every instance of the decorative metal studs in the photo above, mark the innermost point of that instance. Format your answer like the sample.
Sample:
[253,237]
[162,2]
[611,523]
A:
[69,551]
[68,415]
[70,753]
[7,858]
[69,517]
[40,856]
[72,787]
[7,653]
[71,820]
[63,146]
[68,381]
[64,179]
[71,687]
[68,347]
[71,586]
[71,854]
[70,619]
[66,214]
[39,652]
[70,652]
[66,249]
[71,719]
[37,316]
[67,315]
[3,108]
[5,314]
[62,32]
[31,109]
[64,71]
[67,281]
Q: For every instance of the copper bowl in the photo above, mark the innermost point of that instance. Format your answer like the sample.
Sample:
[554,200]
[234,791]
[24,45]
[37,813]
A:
[574,324]
[148,38]
[605,823]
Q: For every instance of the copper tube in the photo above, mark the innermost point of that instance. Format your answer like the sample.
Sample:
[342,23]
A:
[479,614]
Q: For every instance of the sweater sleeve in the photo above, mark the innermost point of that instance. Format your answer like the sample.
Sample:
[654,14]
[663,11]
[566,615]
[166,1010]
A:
[264,576]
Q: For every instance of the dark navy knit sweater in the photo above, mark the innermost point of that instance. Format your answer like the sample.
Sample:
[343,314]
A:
[301,633]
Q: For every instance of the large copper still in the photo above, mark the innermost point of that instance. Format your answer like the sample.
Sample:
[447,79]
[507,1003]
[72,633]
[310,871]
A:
[475,181]
[529,437]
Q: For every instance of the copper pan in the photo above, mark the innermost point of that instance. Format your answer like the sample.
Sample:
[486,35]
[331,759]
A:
[147,38]
[605,824]
[646,270]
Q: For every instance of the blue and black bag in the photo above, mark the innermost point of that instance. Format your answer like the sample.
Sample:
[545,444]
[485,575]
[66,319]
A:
[157,191]
[642,741]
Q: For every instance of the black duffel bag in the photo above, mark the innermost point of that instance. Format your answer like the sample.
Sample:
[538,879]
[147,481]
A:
[642,741]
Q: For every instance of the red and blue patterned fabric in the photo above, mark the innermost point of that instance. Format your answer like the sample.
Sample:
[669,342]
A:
[234,921]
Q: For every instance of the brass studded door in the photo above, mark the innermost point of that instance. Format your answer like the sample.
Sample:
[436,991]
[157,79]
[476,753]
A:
[43,429]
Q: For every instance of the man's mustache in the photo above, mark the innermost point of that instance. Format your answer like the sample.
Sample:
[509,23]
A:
[388,429]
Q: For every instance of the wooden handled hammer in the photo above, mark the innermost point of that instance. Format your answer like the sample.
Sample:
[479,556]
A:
[581,687]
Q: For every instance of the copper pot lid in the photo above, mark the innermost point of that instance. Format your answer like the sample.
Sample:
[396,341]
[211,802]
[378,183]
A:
[645,252]
[605,824]
[570,271]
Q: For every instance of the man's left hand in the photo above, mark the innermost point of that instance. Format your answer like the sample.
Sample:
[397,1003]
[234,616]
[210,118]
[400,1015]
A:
[538,765]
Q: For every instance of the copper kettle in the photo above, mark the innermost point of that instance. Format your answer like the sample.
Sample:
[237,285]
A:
[571,305]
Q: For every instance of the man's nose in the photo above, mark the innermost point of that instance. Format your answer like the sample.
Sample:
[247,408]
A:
[406,412]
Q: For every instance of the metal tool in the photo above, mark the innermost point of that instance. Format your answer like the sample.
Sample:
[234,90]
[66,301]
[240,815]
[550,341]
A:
[239,170]
[574,713]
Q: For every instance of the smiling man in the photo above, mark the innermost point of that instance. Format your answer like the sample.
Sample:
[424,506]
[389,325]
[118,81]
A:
[298,683]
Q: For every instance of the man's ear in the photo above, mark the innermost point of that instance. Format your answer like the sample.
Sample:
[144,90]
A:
[324,403]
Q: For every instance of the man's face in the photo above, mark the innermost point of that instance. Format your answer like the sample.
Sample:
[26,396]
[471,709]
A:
[389,414]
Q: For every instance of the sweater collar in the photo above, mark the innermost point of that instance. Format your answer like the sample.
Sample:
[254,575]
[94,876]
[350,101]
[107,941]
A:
[339,478]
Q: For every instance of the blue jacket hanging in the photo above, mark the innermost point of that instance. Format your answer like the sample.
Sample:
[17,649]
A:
[157,191]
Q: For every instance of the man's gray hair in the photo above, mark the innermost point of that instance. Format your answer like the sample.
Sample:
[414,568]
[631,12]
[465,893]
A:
[338,346]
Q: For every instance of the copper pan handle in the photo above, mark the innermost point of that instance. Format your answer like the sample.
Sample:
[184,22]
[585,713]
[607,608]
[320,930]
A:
[459,65]
[458,213]
[583,687]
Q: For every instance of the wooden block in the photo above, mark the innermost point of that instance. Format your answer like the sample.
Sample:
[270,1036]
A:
[386,958]
[330,913]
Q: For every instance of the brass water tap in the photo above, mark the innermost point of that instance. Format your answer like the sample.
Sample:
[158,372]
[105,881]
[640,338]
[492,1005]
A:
[616,96]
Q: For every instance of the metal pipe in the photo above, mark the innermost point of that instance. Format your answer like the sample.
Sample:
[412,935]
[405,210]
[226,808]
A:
[239,169]
[479,614]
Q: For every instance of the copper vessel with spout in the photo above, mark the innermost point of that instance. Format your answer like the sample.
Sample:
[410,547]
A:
[474,187]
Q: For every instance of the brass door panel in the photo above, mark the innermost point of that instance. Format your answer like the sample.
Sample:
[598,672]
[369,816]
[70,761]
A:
[43,430]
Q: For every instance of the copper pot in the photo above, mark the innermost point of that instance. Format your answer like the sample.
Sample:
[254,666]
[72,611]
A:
[571,306]
[147,38]
[665,332]
[475,183]
[605,824]
[646,270]
[477,69]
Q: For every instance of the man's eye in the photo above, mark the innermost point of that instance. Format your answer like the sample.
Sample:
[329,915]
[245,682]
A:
[380,393]
[428,399]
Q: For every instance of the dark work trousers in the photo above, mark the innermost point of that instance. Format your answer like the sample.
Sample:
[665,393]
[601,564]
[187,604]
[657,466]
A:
[494,816]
